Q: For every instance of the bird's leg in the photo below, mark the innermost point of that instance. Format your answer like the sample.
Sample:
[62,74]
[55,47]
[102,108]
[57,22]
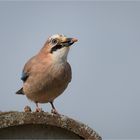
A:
[54,111]
[37,108]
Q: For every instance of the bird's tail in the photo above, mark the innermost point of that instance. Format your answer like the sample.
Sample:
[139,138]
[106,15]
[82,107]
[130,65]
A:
[20,92]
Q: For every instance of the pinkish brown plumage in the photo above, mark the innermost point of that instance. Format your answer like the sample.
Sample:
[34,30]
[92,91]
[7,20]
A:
[47,74]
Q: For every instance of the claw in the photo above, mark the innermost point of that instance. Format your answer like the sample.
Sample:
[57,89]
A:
[54,111]
[38,109]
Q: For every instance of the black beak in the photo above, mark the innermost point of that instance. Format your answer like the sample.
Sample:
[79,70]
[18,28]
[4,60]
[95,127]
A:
[69,42]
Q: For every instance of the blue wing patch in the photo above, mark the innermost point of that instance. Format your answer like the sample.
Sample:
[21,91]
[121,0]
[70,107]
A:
[24,76]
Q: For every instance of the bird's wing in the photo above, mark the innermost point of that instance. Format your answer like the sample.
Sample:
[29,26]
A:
[24,76]
[27,69]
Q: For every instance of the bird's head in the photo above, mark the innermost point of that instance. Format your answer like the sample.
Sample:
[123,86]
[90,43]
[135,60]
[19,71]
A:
[58,46]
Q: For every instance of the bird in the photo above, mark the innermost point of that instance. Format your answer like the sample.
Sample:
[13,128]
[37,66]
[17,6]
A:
[47,74]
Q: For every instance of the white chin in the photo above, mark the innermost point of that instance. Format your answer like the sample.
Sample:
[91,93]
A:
[61,54]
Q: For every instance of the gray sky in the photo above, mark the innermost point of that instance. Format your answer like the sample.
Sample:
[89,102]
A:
[104,92]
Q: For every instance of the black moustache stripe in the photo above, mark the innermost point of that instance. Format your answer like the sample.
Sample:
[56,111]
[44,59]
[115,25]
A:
[56,48]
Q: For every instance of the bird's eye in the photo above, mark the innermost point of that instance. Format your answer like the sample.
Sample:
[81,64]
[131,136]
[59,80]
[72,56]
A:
[54,41]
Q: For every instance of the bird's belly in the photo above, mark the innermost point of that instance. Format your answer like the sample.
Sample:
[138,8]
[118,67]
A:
[46,95]
[45,87]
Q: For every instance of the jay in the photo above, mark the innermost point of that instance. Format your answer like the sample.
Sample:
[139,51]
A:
[47,74]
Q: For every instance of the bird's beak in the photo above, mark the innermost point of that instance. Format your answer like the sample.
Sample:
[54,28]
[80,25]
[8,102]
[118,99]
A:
[69,41]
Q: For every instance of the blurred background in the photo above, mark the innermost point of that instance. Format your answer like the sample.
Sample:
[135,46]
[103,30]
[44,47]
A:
[105,91]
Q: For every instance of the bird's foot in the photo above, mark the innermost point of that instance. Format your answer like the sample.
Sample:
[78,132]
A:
[38,109]
[54,111]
